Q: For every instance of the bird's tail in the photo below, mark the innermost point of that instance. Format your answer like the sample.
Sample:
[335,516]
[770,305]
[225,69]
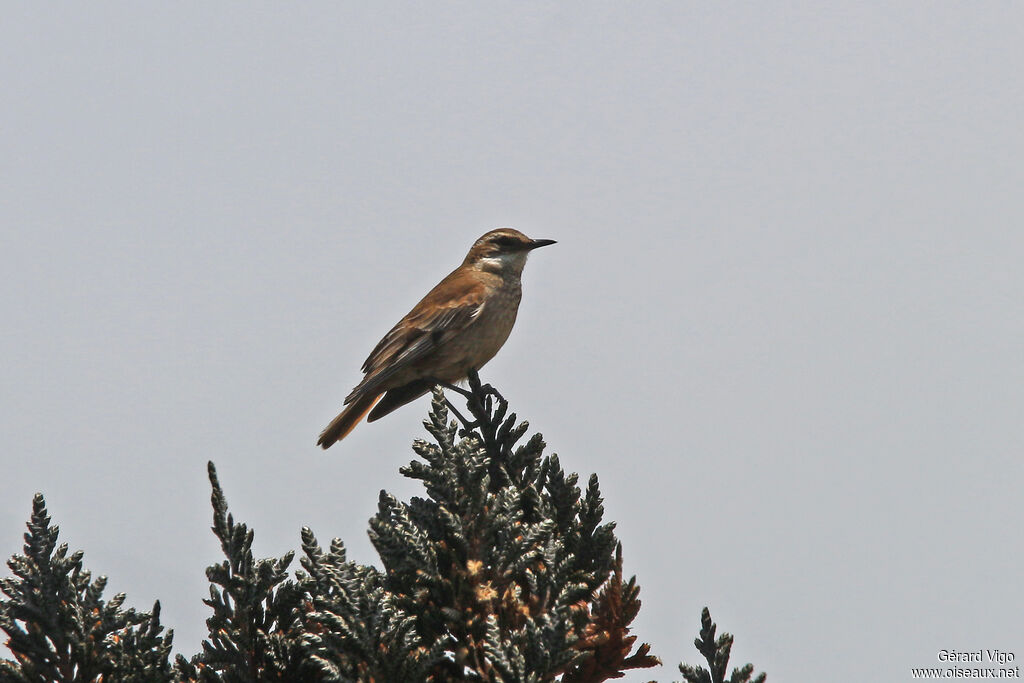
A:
[349,418]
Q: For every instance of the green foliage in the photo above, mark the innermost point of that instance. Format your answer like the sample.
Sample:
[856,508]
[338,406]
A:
[717,653]
[502,563]
[254,634]
[504,571]
[354,630]
[58,626]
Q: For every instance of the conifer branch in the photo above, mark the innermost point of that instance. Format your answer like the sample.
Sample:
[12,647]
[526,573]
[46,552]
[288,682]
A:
[606,638]
[505,570]
[252,635]
[717,653]
[59,627]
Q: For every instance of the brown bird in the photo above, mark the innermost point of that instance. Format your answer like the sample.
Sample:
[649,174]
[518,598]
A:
[457,327]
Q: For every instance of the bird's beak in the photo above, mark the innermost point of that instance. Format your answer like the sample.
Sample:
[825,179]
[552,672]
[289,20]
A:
[535,244]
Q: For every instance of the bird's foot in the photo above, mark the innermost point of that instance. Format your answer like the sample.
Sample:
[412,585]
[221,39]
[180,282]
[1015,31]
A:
[467,426]
[452,387]
[488,389]
[485,404]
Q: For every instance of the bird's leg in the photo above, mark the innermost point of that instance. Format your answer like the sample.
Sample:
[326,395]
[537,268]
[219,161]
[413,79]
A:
[483,394]
[480,401]
[487,388]
[481,405]
[467,426]
[457,389]
[489,408]
[482,389]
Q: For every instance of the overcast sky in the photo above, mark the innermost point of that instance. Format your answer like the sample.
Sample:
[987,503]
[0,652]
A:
[783,322]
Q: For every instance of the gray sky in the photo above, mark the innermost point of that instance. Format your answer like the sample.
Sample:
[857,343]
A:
[783,322]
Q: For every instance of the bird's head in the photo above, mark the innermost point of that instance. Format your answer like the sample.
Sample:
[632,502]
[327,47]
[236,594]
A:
[502,251]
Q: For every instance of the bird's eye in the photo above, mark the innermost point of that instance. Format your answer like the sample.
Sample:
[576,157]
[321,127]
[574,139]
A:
[504,241]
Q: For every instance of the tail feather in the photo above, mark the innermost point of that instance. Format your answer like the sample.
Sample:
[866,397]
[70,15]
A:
[399,396]
[346,421]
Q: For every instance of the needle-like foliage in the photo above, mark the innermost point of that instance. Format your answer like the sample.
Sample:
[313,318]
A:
[506,564]
[253,632]
[503,571]
[717,653]
[60,629]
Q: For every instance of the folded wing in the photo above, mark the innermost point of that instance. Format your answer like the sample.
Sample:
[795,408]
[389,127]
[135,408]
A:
[431,323]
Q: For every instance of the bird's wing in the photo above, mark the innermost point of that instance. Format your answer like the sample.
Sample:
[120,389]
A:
[445,311]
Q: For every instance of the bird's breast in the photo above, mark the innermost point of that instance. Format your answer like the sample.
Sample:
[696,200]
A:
[481,340]
[495,323]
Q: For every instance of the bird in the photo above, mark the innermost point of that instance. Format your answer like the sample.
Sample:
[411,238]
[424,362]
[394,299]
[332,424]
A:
[455,329]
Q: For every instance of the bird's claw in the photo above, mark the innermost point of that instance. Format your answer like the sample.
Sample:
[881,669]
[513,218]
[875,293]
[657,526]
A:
[488,389]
